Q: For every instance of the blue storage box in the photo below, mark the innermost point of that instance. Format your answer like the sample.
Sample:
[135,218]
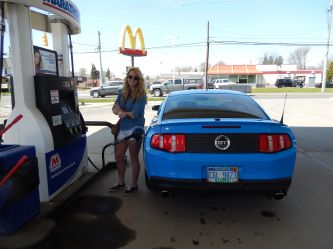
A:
[19,197]
[4,191]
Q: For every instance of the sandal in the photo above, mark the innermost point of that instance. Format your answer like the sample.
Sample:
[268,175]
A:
[131,189]
[117,187]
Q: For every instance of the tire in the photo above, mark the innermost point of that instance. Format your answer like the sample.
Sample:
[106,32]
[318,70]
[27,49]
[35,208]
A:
[157,92]
[95,94]
[149,184]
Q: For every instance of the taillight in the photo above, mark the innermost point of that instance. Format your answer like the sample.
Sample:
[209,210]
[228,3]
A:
[168,142]
[270,143]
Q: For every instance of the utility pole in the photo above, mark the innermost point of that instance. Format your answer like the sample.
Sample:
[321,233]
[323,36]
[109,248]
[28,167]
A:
[100,57]
[323,84]
[207,58]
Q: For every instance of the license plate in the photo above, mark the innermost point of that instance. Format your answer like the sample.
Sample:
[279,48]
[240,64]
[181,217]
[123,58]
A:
[222,174]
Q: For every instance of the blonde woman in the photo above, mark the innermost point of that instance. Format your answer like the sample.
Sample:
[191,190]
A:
[130,107]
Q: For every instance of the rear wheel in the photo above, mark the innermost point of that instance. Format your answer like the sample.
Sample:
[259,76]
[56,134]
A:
[95,94]
[157,92]
[149,184]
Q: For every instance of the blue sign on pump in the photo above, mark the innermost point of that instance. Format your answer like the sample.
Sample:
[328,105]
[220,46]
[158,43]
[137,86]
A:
[63,163]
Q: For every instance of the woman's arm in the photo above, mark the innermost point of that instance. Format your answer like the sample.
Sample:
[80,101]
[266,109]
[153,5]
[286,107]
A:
[139,106]
[116,109]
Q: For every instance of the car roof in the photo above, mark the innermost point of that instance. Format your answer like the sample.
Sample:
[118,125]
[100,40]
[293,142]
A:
[203,91]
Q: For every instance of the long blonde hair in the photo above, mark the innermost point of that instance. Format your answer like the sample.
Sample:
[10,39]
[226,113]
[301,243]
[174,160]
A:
[138,91]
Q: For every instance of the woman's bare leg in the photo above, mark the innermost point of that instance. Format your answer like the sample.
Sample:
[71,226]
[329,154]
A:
[134,149]
[120,160]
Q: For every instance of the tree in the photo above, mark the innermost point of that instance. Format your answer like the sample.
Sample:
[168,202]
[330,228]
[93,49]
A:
[271,59]
[298,57]
[202,67]
[82,72]
[186,69]
[108,74]
[94,73]
[279,60]
[330,72]
[220,63]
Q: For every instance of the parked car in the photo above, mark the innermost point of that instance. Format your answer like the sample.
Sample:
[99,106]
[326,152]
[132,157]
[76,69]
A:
[222,82]
[175,85]
[299,83]
[210,85]
[107,88]
[288,83]
[152,83]
[327,85]
[217,139]
[284,83]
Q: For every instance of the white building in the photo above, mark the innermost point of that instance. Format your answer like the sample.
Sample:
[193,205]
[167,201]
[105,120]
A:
[263,75]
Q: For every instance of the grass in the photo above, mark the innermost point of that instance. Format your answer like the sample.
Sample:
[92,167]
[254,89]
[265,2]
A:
[290,90]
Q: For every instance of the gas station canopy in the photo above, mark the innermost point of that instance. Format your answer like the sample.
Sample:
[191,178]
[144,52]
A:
[64,11]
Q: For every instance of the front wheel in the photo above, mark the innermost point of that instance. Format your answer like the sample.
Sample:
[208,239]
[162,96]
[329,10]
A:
[157,92]
[95,94]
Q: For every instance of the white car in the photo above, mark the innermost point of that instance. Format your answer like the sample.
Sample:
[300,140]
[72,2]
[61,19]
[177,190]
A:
[222,82]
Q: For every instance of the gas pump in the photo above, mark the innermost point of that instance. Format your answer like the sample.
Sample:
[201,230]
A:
[47,96]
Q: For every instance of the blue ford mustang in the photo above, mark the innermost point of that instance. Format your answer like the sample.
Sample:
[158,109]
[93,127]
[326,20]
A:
[215,139]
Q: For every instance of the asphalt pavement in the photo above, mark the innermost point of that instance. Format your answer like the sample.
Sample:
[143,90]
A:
[302,220]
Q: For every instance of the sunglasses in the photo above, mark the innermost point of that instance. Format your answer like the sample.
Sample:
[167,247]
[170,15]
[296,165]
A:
[131,77]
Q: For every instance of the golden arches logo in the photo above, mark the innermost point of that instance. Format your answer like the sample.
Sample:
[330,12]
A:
[132,51]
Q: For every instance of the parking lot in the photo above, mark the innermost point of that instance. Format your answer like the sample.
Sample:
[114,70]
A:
[303,219]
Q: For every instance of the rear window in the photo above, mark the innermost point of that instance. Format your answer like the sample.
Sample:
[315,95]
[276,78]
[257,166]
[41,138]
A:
[212,106]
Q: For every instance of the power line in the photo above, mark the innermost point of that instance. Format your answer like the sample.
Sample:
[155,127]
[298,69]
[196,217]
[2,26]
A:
[200,44]
[192,44]
[270,43]
[83,44]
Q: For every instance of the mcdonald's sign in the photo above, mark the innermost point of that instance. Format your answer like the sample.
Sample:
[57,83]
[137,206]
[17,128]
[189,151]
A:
[132,51]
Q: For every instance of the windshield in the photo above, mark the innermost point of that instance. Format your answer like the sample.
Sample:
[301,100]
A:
[212,106]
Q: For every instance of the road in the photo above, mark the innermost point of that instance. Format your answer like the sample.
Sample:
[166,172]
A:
[302,220]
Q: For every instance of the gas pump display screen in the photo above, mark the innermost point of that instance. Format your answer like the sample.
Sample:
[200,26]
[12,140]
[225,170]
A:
[45,61]
[65,109]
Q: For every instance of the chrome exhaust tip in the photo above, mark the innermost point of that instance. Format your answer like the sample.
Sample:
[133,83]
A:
[278,195]
[165,193]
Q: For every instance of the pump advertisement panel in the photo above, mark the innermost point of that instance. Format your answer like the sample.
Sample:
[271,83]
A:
[45,61]
[64,164]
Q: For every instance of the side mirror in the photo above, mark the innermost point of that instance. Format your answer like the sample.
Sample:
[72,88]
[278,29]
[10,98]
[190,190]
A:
[155,107]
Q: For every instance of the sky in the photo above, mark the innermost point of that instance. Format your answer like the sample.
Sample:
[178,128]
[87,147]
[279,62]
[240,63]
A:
[176,22]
